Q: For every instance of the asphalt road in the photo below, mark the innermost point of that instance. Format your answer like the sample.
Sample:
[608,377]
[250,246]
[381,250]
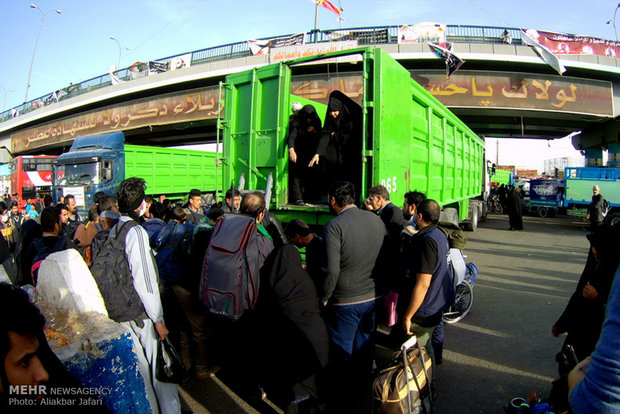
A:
[503,348]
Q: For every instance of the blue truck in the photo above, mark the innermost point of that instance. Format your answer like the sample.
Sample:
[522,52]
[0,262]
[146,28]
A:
[546,197]
[100,162]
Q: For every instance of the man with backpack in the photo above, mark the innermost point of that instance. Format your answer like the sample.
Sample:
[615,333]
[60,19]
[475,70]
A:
[237,250]
[135,282]
[229,284]
[51,242]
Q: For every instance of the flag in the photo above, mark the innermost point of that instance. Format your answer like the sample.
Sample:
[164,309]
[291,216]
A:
[529,38]
[329,6]
[453,62]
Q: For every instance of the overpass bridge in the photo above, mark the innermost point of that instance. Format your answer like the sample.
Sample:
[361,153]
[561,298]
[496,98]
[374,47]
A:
[503,90]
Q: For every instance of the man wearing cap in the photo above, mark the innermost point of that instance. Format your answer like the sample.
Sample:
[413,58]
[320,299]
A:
[194,209]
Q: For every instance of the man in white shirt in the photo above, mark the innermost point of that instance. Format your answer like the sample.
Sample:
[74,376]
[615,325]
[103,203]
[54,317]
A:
[145,332]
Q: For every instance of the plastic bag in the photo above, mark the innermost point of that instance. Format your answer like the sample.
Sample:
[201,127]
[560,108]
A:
[170,367]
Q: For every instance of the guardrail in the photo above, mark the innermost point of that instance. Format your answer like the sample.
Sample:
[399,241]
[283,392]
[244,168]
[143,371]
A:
[364,35]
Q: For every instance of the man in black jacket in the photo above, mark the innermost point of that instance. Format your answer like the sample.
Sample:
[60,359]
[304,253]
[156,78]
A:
[390,214]
[596,209]
[392,217]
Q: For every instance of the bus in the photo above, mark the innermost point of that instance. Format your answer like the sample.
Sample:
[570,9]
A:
[31,176]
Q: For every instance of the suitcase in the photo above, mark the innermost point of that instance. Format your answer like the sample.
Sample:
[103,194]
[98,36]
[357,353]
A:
[396,390]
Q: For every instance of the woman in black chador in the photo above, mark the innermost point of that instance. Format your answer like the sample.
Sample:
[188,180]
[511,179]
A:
[342,138]
[303,153]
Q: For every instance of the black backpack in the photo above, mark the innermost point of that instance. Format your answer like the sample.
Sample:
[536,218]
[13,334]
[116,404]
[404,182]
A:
[110,268]
[230,280]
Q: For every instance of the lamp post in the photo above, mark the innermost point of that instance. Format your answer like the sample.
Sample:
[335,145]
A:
[6,91]
[120,51]
[34,52]
[613,21]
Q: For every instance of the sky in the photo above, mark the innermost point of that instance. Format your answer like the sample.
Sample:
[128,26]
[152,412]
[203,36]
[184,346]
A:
[75,45]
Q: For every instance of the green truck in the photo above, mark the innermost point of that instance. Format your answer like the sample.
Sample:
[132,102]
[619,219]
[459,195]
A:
[409,140]
[100,162]
[500,177]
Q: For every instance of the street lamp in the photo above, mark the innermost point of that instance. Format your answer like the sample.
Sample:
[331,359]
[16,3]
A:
[6,91]
[613,22]
[34,52]
[120,50]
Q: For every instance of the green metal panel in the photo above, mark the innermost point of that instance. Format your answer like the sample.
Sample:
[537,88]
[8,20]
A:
[256,118]
[501,177]
[171,171]
[411,141]
[580,191]
[418,143]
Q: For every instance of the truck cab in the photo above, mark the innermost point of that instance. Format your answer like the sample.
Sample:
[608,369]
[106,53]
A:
[94,163]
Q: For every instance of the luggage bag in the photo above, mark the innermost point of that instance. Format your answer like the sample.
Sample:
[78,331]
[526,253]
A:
[404,387]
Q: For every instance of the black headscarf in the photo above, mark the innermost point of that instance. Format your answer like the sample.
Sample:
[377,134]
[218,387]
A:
[308,113]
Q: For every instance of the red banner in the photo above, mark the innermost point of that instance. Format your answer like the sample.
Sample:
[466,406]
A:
[565,44]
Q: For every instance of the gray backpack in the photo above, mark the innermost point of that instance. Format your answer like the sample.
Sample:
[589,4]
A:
[231,271]
[110,269]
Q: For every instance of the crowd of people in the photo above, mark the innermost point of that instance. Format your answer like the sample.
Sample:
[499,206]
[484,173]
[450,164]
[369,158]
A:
[313,326]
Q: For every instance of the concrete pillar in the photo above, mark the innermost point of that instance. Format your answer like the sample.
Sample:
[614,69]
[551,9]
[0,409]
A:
[613,153]
[594,157]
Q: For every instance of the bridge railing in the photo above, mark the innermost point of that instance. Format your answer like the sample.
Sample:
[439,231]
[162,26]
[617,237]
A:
[376,35]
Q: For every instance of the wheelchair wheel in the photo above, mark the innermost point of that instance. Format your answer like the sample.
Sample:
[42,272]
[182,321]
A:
[498,208]
[464,297]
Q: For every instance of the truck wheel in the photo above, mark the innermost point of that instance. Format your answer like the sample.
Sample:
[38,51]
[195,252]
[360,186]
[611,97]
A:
[450,215]
[543,212]
[614,219]
[472,224]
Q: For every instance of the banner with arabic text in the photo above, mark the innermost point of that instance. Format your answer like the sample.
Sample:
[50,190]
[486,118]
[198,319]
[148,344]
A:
[317,87]
[202,103]
[261,47]
[519,91]
[566,44]
[299,51]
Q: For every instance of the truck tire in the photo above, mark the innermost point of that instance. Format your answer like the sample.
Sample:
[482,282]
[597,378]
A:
[614,218]
[472,224]
[543,212]
[449,215]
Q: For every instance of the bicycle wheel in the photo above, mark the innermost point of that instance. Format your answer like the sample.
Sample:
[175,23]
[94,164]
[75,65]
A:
[498,208]
[464,297]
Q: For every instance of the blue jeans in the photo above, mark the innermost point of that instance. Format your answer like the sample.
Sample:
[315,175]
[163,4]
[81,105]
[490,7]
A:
[351,328]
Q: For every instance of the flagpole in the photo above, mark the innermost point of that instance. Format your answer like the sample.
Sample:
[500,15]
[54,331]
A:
[316,17]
